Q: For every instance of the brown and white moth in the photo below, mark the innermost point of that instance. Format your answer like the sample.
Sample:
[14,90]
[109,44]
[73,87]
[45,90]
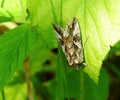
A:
[70,41]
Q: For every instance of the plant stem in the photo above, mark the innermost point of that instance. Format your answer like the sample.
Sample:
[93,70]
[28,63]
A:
[3,95]
[27,71]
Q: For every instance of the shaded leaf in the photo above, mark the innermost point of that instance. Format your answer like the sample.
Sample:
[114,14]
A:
[14,47]
[84,88]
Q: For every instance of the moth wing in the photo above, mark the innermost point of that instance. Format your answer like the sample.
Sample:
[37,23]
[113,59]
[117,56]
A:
[59,32]
[77,34]
[78,39]
[73,29]
[60,35]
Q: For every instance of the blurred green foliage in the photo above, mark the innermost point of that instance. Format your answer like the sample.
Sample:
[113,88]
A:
[48,76]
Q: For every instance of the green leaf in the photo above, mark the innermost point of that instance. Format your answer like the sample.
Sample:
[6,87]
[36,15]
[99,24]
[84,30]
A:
[99,20]
[43,17]
[102,28]
[15,9]
[5,19]
[96,92]
[12,93]
[14,47]
[62,77]
[80,86]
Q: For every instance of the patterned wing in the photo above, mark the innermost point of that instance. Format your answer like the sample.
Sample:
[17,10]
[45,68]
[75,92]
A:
[70,40]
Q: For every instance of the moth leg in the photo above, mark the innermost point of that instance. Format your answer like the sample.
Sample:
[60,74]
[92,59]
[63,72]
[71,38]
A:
[85,64]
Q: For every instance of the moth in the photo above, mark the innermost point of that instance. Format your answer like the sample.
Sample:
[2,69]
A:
[71,43]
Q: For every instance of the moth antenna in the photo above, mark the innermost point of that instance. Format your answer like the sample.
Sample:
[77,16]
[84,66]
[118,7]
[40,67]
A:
[85,42]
